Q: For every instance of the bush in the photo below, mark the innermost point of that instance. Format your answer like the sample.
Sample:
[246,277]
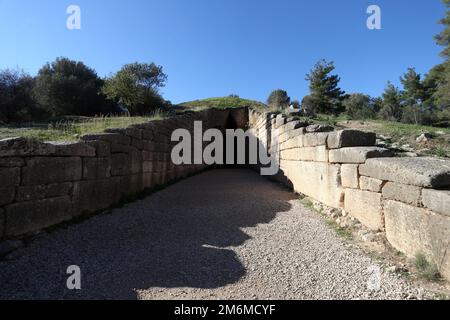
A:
[16,99]
[66,87]
[279,99]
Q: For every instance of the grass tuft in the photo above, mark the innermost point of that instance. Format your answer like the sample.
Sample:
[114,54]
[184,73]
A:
[427,270]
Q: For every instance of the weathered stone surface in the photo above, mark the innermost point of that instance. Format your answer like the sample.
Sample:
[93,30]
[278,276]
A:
[12,162]
[318,180]
[75,149]
[134,133]
[120,164]
[130,185]
[402,192]
[319,128]
[370,184]
[349,175]
[7,195]
[93,195]
[280,120]
[102,148]
[357,154]
[314,139]
[109,137]
[31,216]
[422,172]
[319,154]
[43,170]
[351,138]
[137,143]
[13,147]
[40,192]
[9,177]
[2,222]
[413,230]
[437,200]
[96,168]
[147,166]
[366,207]
[121,148]
[147,181]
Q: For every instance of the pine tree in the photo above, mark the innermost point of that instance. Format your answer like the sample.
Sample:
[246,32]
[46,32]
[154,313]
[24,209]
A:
[324,88]
[392,108]
[412,96]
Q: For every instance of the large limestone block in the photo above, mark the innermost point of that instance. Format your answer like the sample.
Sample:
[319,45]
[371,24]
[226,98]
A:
[349,176]
[27,217]
[74,149]
[402,192]
[370,184]
[12,162]
[13,147]
[350,138]
[422,172]
[415,230]
[9,177]
[7,195]
[319,154]
[315,139]
[43,170]
[40,192]
[108,137]
[357,154]
[2,222]
[318,180]
[366,207]
[96,168]
[93,195]
[437,200]
[102,148]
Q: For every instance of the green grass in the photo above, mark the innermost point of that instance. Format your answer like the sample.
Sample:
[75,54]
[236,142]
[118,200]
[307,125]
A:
[427,270]
[223,102]
[71,129]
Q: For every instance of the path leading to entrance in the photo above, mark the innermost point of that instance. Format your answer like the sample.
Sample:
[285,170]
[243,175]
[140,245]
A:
[227,234]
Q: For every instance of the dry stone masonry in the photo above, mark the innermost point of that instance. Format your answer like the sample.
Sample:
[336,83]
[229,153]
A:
[407,198]
[44,184]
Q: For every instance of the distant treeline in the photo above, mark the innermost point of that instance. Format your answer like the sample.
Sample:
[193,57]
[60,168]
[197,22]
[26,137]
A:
[66,87]
[421,100]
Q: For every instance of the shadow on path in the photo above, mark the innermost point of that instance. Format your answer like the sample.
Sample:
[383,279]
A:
[178,237]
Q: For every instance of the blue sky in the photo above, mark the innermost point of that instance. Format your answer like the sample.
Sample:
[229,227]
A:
[214,48]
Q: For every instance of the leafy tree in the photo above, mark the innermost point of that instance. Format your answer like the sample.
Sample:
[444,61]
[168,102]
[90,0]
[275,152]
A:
[392,107]
[136,86]
[325,93]
[359,106]
[66,87]
[279,99]
[16,100]
[413,96]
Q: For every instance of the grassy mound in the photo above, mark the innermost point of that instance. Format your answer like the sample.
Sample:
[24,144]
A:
[222,102]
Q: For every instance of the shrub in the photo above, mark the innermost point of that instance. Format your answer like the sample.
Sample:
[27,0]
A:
[279,99]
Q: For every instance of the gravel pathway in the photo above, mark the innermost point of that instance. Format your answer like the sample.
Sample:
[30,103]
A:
[223,234]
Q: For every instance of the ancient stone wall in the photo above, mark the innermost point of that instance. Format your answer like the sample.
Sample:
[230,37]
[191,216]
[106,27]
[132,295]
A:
[407,198]
[44,184]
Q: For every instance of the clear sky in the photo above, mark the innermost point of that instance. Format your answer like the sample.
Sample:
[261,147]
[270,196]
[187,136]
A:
[214,48]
